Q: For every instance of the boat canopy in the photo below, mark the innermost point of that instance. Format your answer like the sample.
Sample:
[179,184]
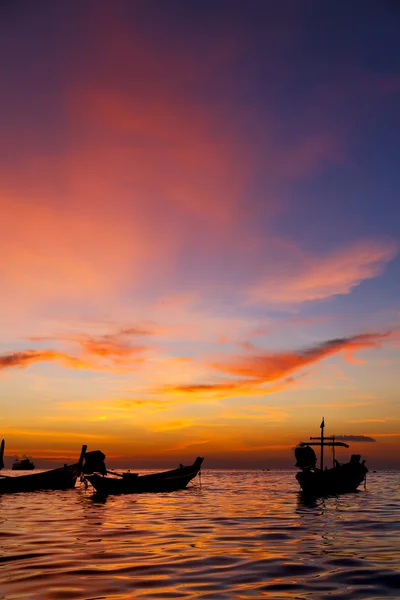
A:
[94,462]
[305,457]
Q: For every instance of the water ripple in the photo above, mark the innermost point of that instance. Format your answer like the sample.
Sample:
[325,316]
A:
[243,535]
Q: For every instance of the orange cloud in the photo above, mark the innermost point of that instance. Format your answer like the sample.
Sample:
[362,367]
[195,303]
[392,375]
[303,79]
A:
[392,434]
[367,420]
[268,367]
[114,348]
[173,425]
[251,372]
[26,357]
[267,414]
[106,345]
[13,431]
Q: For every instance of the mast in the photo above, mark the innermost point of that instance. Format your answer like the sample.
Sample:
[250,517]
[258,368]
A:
[322,443]
[82,456]
[1,454]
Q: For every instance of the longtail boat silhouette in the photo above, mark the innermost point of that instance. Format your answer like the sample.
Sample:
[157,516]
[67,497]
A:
[62,478]
[110,482]
[340,479]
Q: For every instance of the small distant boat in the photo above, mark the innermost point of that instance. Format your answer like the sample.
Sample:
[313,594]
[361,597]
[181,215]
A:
[23,464]
[133,483]
[340,479]
[62,478]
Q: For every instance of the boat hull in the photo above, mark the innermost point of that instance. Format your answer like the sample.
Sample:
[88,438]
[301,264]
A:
[339,480]
[129,483]
[57,479]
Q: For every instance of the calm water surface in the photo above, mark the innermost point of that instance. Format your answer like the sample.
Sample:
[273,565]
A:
[243,535]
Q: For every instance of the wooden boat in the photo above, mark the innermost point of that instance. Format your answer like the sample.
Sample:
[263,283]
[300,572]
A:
[132,483]
[22,464]
[340,479]
[56,479]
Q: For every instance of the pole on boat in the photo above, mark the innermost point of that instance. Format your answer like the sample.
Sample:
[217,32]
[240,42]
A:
[322,443]
[1,455]
[82,456]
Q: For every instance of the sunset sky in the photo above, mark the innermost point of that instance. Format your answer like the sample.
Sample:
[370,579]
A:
[200,229]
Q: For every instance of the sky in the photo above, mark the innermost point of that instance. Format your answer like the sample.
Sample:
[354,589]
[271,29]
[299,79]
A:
[200,229]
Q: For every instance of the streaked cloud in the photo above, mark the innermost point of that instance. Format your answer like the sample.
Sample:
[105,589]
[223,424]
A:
[248,373]
[328,405]
[367,420]
[316,277]
[354,438]
[106,345]
[267,414]
[54,433]
[173,425]
[26,357]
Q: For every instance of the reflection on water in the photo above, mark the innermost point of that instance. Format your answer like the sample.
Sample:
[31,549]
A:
[243,535]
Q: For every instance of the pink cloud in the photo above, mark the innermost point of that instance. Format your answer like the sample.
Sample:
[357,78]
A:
[309,277]
[153,186]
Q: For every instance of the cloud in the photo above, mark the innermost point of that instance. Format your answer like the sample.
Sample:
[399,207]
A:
[107,345]
[354,438]
[228,388]
[367,420]
[266,414]
[307,277]
[248,373]
[270,366]
[392,434]
[43,433]
[26,357]
[172,425]
[114,349]
[335,405]
[185,445]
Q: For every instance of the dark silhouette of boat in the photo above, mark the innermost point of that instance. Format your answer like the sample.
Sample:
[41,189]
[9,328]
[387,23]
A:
[111,482]
[62,478]
[23,464]
[340,479]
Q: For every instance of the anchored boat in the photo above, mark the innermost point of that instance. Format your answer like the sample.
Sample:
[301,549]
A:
[339,479]
[23,464]
[133,483]
[57,479]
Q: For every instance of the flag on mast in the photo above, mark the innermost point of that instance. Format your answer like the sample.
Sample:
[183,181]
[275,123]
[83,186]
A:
[322,423]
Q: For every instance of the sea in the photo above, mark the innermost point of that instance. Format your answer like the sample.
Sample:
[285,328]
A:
[235,534]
